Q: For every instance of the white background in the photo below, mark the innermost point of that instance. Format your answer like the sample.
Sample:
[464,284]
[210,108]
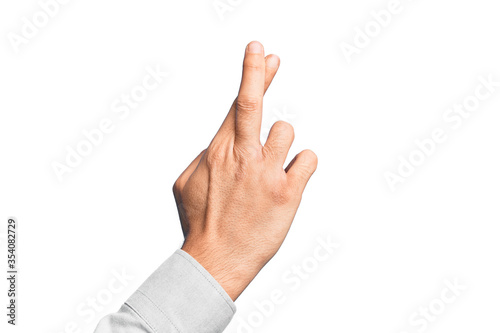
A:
[116,211]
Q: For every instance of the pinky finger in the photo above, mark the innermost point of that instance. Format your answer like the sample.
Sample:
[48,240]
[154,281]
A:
[301,168]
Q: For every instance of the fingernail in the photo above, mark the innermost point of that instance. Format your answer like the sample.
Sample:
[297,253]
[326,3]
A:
[272,61]
[255,47]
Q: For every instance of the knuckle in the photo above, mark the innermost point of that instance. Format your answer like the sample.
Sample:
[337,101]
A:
[215,157]
[248,161]
[247,103]
[252,65]
[241,172]
[248,157]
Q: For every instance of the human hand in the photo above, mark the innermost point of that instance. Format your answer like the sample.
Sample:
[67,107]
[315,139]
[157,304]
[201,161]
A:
[236,202]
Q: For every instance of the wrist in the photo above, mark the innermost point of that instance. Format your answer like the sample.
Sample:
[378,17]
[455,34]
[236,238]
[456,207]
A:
[232,271]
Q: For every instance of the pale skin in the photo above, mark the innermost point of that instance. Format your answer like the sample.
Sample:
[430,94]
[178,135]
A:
[236,201]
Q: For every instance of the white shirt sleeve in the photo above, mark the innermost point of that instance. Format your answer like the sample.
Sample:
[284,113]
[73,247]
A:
[180,296]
